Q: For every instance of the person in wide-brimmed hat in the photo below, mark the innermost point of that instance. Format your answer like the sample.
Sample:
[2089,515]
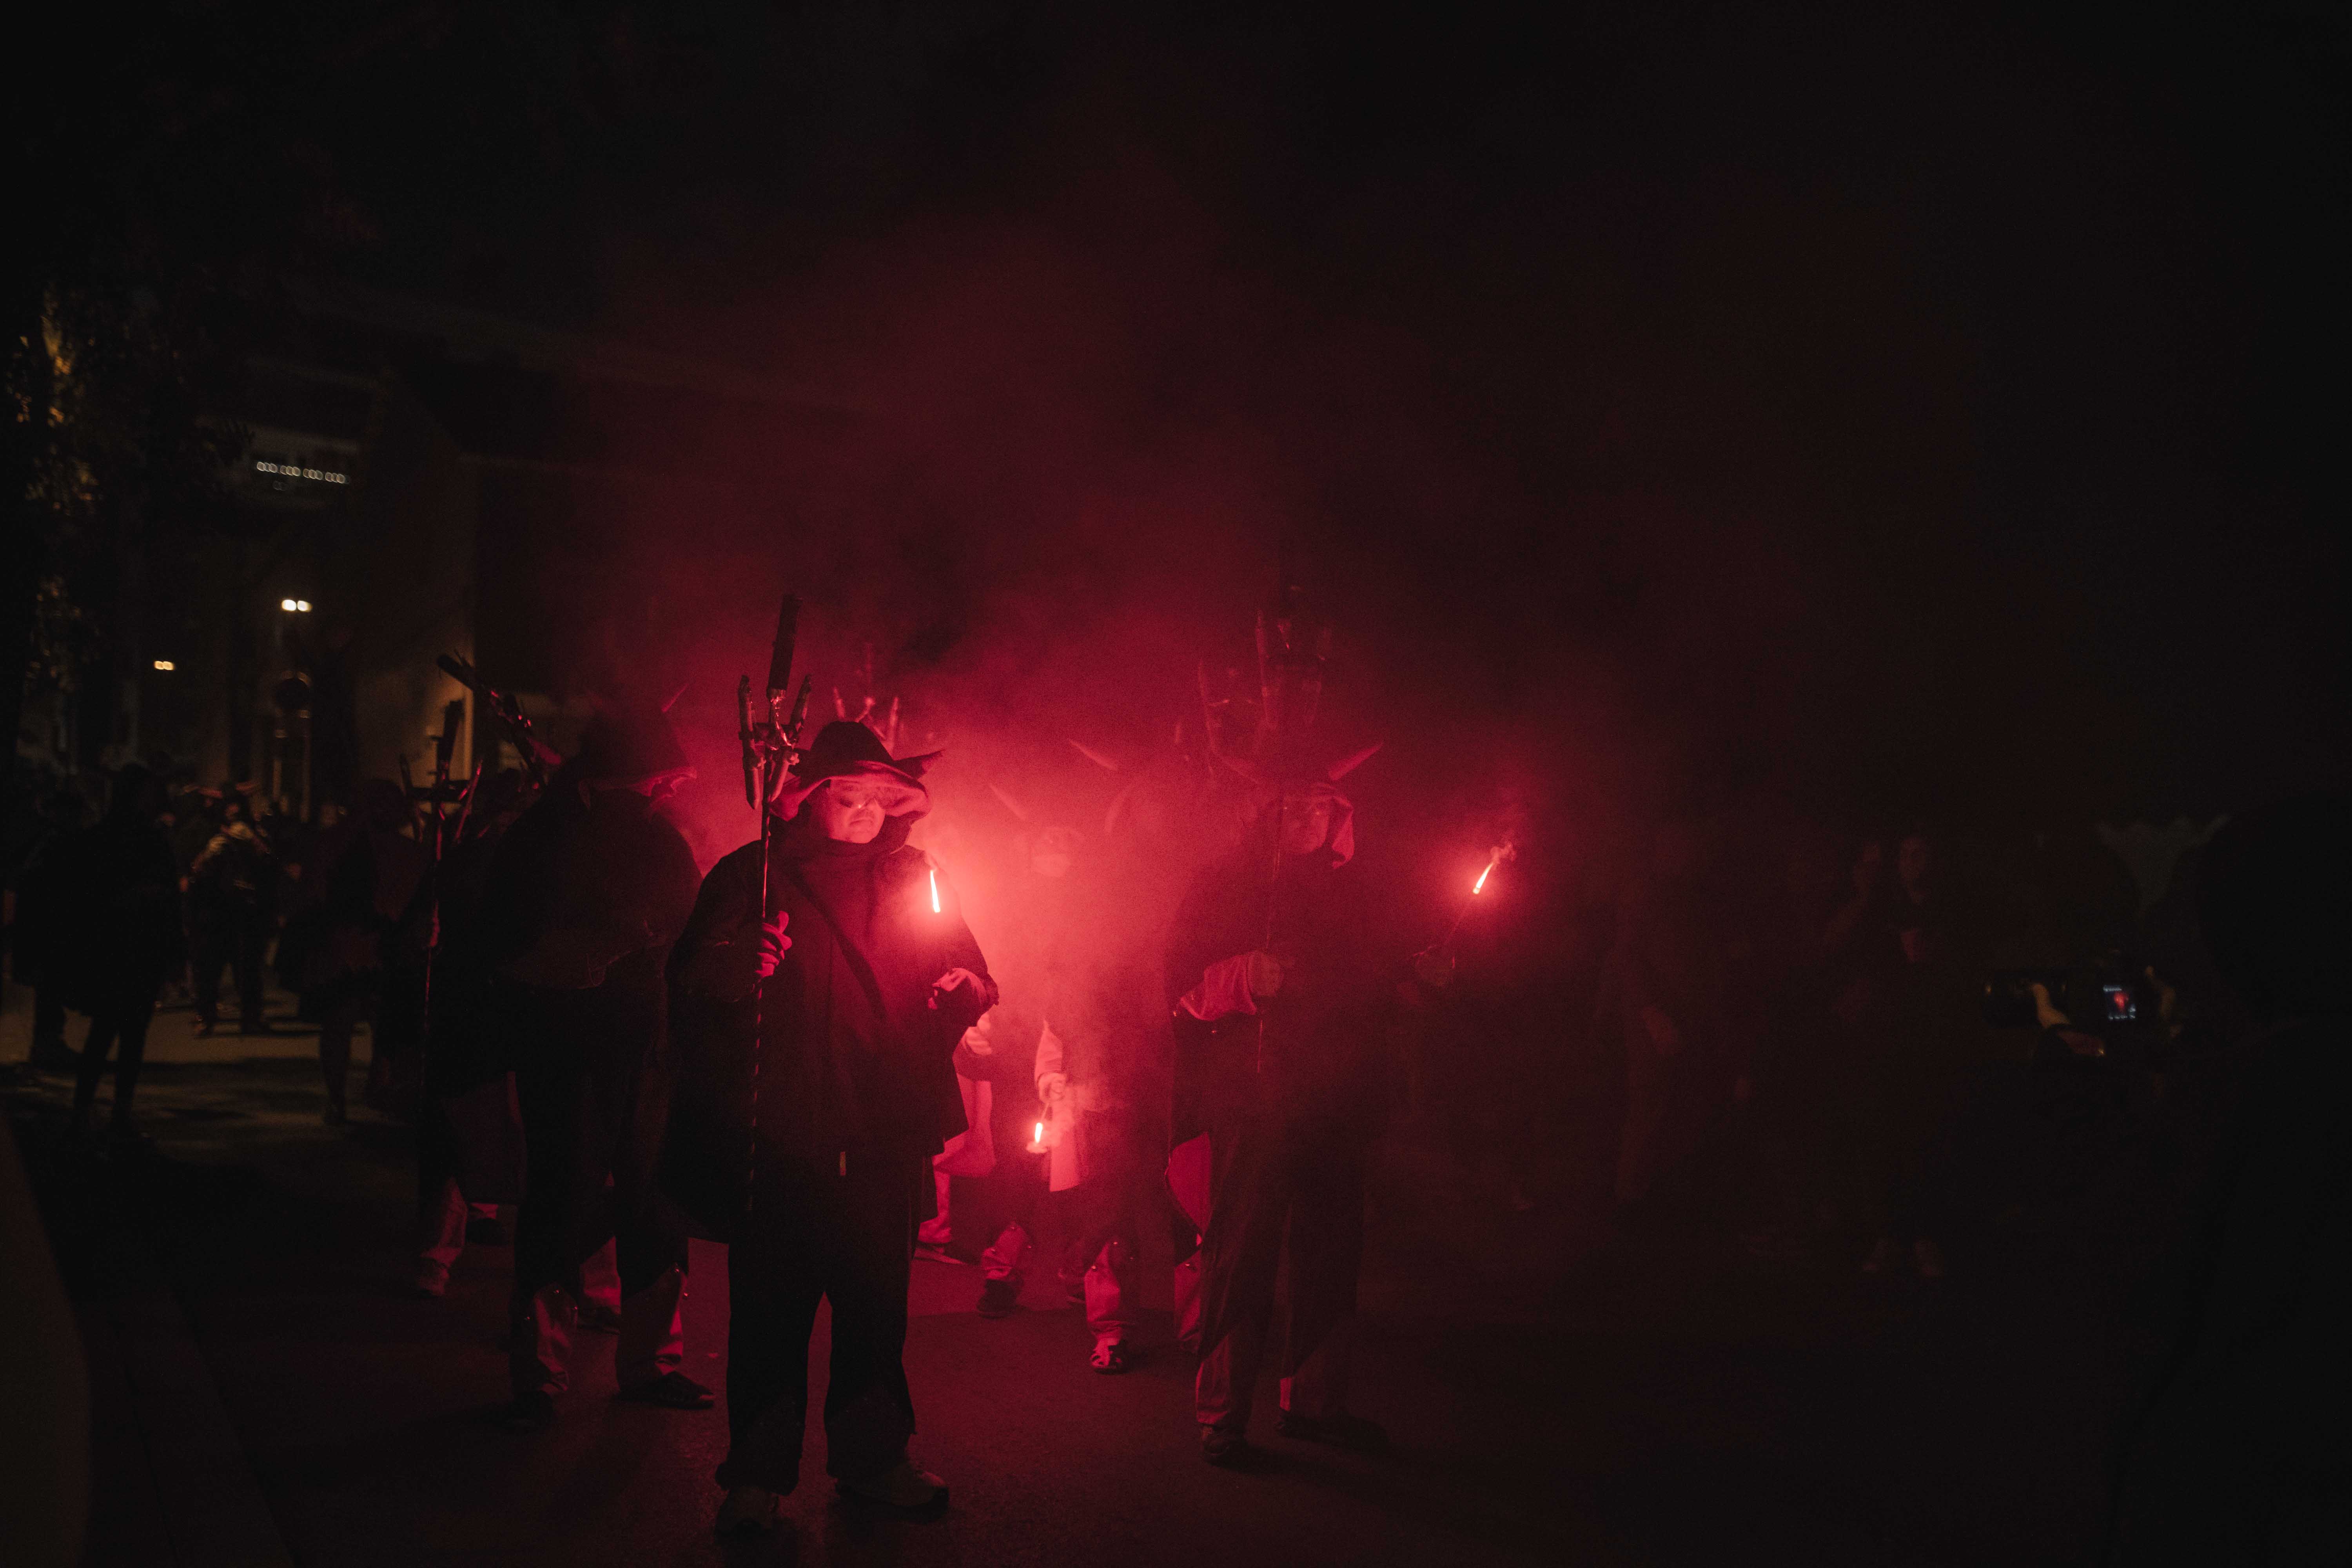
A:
[815,1040]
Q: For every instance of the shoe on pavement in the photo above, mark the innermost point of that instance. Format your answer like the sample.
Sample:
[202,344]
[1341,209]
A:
[997,1298]
[533,1410]
[597,1318]
[1111,1357]
[905,1485]
[748,1511]
[1340,1431]
[671,1390]
[431,1281]
[1228,1447]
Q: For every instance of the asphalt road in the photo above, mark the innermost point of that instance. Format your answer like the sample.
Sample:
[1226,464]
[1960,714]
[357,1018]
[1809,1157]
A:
[265,1393]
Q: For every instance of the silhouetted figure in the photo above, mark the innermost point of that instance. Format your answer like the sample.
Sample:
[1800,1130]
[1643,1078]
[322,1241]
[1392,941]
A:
[363,873]
[232,888]
[36,934]
[1092,1072]
[1669,993]
[122,938]
[1909,1067]
[1278,1024]
[585,894]
[855,1022]
[2236,1450]
[466,1133]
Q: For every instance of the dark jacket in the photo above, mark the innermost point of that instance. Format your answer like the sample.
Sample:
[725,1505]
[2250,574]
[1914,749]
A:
[587,891]
[852,1052]
[1313,1053]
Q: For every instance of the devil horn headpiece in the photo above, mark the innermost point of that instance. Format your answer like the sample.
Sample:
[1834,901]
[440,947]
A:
[1281,745]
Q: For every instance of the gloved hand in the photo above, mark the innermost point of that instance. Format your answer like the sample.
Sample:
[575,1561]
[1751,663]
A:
[774,944]
[1264,975]
[961,995]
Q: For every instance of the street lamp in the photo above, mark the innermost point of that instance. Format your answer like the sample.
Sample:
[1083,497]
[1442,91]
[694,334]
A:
[295,607]
[165,665]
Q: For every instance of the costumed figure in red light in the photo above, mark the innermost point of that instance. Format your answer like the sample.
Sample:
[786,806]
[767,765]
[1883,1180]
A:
[584,897]
[815,1042]
[1098,1083]
[1278,1014]
[1278,1039]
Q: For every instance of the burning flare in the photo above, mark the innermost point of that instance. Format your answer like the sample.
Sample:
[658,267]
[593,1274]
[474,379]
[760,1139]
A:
[935,890]
[1480,885]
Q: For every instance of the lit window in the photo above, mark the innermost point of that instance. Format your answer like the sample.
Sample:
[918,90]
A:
[295,471]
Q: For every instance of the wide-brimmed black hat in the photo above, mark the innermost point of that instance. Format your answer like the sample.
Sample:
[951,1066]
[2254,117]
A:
[847,749]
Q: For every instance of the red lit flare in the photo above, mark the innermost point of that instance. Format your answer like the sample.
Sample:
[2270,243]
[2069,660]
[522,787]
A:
[1480,885]
[935,890]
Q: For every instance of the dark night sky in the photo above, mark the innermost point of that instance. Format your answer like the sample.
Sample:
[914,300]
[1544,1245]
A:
[1900,407]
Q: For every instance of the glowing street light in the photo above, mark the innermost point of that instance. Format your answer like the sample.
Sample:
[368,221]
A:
[165,665]
[295,607]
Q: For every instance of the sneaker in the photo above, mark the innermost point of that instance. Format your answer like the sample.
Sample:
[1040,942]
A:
[905,1485]
[1340,1431]
[671,1390]
[533,1410]
[1228,1447]
[1111,1358]
[1927,1258]
[997,1298]
[748,1511]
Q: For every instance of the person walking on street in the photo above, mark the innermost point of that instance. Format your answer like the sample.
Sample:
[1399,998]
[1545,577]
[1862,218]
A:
[584,896]
[123,938]
[231,895]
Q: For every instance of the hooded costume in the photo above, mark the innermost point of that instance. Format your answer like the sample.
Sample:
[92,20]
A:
[808,1106]
[584,896]
[1289,1089]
